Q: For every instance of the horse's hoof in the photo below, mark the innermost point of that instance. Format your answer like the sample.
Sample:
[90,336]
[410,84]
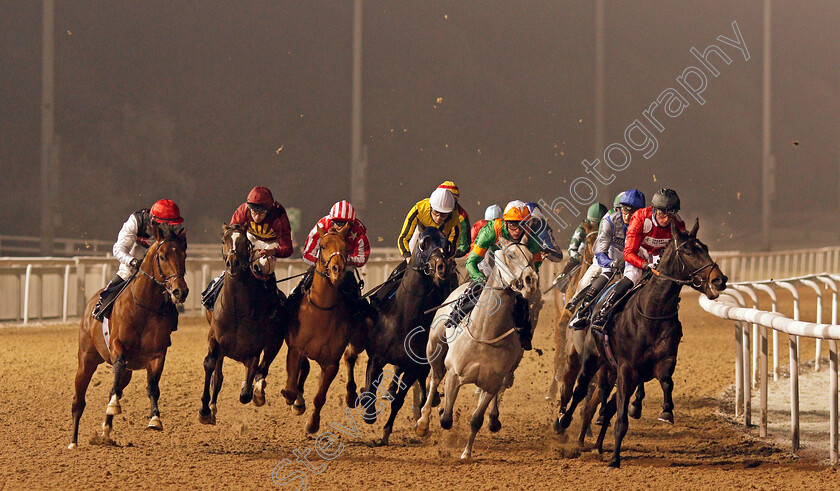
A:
[556,426]
[635,411]
[288,397]
[614,464]
[495,425]
[113,407]
[351,399]
[72,446]
[446,423]
[379,442]
[259,393]
[213,409]
[106,432]
[299,409]
[313,427]
[466,455]
[667,417]
[421,428]
[206,419]
[155,424]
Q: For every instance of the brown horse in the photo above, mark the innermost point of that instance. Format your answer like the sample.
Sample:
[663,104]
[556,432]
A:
[243,325]
[561,338]
[140,325]
[320,329]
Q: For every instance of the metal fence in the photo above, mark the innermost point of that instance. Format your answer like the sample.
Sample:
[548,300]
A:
[732,305]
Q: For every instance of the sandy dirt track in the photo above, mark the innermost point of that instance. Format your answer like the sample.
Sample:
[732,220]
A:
[701,450]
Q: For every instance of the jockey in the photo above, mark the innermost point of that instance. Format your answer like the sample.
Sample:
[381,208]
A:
[538,228]
[578,242]
[434,211]
[609,254]
[510,226]
[464,219]
[491,213]
[270,235]
[648,233]
[358,251]
[133,241]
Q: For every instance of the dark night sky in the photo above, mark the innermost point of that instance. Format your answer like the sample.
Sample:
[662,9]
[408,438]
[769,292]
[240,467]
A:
[191,100]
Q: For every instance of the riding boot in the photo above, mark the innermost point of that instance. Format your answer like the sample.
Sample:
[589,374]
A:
[211,293]
[605,314]
[274,294]
[581,318]
[293,302]
[577,298]
[464,304]
[106,298]
[389,287]
[522,322]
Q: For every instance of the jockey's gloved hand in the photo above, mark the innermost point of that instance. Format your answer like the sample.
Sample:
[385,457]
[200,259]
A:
[134,263]
[618,264]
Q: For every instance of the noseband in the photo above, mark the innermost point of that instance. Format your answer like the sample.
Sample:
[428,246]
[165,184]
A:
[165,279]
[234,252]
[424,262]
[695,279]
[509,286]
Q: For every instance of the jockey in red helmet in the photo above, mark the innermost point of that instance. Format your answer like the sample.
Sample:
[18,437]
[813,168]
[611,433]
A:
[270,234]
[134,239]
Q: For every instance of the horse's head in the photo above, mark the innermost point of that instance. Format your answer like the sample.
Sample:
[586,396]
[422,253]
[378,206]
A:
[332,254]
[431,253]
[236,250]
[591,231]
[687,259]
[514,265]
[168,260]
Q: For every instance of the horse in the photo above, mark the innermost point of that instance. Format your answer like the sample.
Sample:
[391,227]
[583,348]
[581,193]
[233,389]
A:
[560,336]
[320,329]
[398,336]
[644,335]
[490,350]
[243,324]
[140,326]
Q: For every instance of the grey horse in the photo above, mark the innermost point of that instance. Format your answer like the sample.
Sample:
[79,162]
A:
[484,349]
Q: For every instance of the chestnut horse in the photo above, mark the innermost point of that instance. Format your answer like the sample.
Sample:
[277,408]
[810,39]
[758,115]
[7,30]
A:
[561,336]
[321,328]
[140,325]
[243,324]
[644,335]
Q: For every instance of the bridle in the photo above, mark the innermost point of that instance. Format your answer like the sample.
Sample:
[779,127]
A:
[326,263]
[234,252]
[695,279]
[164,281]
[509,285]
[424,261]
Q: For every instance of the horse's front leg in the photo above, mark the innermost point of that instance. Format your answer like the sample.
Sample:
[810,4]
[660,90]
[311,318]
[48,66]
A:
[476,421]
[154,369]
[116,391]
[635,411]
[290,393]
[373,377]
[247,392]
[450,393]
[581,389]
[664,370]
[268,356]
[328,373]
[204,414]
[626,382]
[396,393]
[350,357]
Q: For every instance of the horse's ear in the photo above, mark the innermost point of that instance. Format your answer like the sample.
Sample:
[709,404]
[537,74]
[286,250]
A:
[675,231]
[157,233]
[421,227]
[503,242]
[696,226]
[225,228]
[344,229]
[321,232]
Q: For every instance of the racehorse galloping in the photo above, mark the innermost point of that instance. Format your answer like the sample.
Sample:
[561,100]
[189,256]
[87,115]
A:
[561,337]
[645,334]
[484,349]
[320,329]
[140,325]
[243,324]
[395,338]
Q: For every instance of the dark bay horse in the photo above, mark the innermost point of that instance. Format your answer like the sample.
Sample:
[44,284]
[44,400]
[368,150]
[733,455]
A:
[140,325]
[401,331]
[645,333]
[243,325]
[321,328]
[563,338]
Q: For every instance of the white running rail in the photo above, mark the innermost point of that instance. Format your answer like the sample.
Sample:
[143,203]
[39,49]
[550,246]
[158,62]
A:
[732,305]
